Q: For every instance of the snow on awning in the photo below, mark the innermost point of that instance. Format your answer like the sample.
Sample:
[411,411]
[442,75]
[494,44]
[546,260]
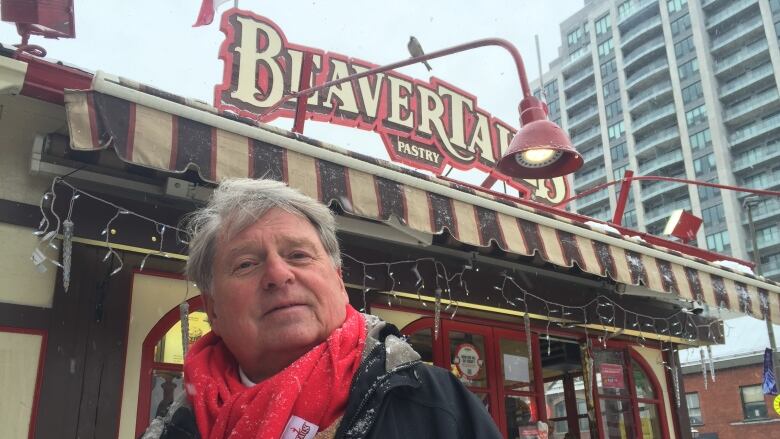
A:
[164,132]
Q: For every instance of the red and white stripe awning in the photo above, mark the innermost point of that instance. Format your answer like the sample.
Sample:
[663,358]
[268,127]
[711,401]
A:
[170,134]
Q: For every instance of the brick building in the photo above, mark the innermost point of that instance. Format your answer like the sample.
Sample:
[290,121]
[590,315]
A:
[734,405]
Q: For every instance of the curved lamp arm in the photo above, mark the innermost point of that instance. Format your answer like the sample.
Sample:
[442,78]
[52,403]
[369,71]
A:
[526,89]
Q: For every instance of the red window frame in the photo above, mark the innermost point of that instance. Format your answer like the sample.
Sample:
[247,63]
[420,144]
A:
[630,354]
[148,364]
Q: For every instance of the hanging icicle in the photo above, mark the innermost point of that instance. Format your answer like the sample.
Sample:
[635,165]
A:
[437,313]
[703,367]
[712,363]
[67,252]
[184,318]
[527,329]
[675,377]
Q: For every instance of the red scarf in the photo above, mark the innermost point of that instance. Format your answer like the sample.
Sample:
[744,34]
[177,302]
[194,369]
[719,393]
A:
[315,387]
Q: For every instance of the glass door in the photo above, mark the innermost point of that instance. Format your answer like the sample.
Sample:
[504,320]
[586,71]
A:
[468,353]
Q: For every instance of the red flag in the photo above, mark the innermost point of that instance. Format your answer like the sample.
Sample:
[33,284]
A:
[207,11]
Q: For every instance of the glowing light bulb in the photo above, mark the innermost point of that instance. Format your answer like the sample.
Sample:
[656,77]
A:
[538,155]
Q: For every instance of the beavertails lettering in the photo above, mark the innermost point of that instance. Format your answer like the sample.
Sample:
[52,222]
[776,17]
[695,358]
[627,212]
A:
[427,125]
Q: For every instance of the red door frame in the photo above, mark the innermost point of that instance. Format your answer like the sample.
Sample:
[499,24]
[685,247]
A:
[494,368]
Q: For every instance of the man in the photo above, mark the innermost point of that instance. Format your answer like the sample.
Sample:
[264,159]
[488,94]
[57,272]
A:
[287,356]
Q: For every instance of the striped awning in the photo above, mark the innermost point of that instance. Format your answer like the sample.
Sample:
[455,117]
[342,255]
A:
[168,134]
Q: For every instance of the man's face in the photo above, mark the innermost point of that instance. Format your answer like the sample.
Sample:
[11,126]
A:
[275,290]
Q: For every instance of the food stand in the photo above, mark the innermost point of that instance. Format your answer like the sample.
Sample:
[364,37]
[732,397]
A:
[545,315]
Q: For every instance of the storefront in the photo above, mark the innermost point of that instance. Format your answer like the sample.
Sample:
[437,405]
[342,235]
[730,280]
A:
[544,315]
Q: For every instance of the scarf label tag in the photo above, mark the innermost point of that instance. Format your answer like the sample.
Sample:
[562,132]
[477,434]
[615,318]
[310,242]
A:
[299,428]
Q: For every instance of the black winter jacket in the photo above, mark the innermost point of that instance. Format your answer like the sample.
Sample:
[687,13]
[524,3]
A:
[394,395]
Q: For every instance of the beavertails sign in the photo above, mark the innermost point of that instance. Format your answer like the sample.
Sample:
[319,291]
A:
[426,125]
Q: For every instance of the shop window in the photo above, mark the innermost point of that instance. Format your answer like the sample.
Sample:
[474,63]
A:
[753,404]
[694,408]
[629,401]
[162,361]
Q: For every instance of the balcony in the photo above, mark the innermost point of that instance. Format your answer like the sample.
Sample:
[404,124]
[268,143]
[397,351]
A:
[655,140]
[591,200]
[643,51]
[647,72]
[738,35]
[755,129]
[771,269]
[579,98]
[663,188]
[746,109]
[592,154]
[578,59]
[770,182]
[583,116]
[763,72]
[740,58]
[729,12]
[635,8]
[581,139]
[660,162]
[769,209]
[663,211]
[649,118]
[577,78]
[590,178]
[650,95]
[758,156]
[632,34]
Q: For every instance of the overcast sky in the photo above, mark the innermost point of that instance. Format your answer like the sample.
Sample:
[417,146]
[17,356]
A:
[153,42]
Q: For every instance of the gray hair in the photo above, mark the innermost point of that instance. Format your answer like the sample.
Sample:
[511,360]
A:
[235,205]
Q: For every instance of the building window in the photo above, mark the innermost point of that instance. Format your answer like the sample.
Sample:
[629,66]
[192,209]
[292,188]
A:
[608,68]
[629,219]
[707,192]
[692,92]
[676,5]
[624,8]
[753,404]
[704,165]
[619,172]
[713,215]
[688,69]
[575,36]
[618,152]
[684,47]
[554,107]
[701,139]
[616,131]
[611,88]
[603,25]
[681,24]
[605,48]
[613,109]
[694,408]
[697,115]
[719,242]
[551,89]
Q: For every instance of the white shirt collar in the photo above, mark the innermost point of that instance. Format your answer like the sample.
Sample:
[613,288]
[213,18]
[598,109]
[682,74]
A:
[245,379]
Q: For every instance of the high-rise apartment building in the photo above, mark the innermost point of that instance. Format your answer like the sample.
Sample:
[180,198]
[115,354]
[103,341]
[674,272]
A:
[676,88]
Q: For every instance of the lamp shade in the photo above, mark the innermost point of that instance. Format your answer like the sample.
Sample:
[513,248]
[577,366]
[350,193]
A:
[541,149]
